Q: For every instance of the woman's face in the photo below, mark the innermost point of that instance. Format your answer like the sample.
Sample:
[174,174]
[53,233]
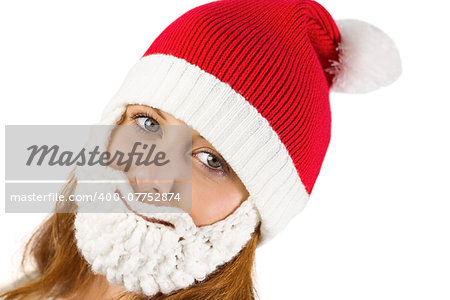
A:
[216,189]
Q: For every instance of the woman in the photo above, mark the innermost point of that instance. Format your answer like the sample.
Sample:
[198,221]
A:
[61,264]
[251,79]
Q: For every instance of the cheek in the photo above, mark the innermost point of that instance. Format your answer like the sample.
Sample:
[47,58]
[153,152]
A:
[214,201]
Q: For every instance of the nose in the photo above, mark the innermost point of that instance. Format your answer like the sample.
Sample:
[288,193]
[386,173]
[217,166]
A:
[161,187]
[155,186]
[150,188]
[166,177]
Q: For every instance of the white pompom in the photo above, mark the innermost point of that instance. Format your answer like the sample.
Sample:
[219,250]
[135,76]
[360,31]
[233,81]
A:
[368,58]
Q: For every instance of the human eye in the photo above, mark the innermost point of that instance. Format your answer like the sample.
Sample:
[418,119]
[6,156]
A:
[212,163]
[147,122]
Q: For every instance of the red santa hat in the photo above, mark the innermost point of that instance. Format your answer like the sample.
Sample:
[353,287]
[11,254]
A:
[253,78]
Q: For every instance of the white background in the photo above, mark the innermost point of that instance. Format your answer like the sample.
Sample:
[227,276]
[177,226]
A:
[378,221]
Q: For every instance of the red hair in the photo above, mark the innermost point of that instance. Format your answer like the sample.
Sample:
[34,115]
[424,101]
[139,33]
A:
[64,272]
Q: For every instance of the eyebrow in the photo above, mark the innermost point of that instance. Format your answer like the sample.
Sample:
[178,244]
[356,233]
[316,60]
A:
[159,113]
[200,136]
[162,116]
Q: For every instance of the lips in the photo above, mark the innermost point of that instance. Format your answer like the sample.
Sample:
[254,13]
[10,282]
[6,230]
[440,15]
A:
[148,219]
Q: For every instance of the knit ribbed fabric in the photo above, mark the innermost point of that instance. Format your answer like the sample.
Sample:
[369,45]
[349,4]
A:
[267,51]
[249,77]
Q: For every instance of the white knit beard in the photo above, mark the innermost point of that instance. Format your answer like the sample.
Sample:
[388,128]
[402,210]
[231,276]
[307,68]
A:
[147,257]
